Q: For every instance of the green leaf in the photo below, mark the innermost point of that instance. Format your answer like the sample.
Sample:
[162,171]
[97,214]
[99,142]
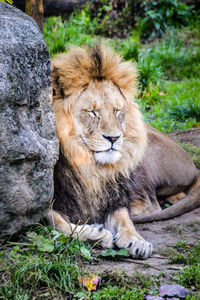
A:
[7,1]
[123,252]
[41,243]
[114,253]
[85,253]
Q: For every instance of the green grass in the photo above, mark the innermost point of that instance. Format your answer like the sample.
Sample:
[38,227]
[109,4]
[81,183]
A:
[169,69]
[176,56]
[177,106]
[45,264]
[189,257]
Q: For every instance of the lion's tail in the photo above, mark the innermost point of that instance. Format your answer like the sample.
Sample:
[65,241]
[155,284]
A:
[188,203]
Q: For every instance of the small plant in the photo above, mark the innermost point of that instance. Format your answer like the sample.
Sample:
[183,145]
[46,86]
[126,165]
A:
[150,75]
[190,276]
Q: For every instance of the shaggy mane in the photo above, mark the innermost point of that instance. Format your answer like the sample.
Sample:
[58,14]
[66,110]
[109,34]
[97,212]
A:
[74,71]
[76,68]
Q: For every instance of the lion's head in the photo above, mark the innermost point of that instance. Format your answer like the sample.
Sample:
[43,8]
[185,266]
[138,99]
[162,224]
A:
[100,128]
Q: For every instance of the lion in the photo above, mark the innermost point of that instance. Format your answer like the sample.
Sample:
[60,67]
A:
[112,166]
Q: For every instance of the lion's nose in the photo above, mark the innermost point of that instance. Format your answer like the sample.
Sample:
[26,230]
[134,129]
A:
[111,139]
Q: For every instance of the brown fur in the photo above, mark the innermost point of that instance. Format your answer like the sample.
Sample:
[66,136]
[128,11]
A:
[100,182]
[74,70]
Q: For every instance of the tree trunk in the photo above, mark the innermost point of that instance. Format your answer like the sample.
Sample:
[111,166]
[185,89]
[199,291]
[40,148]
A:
[34,8]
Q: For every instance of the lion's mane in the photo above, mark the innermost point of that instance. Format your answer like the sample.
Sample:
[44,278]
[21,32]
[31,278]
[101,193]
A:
[85,189]
[72,72]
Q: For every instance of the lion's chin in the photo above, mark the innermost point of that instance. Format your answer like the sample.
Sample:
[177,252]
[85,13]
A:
[107,157]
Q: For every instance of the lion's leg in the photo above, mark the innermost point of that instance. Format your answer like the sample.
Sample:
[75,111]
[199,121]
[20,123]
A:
[175,198]
[179,196]
[125,234]
[82,232]
[139,207]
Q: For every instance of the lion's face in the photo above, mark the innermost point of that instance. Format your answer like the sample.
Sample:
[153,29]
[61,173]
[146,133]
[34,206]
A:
[100,129]
[100,120]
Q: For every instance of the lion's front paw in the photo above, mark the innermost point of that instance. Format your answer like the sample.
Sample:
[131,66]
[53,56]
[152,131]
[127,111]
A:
[97,232]
[138,248]
[107,239]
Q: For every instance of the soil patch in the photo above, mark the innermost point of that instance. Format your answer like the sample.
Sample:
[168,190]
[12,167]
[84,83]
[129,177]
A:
[163,235]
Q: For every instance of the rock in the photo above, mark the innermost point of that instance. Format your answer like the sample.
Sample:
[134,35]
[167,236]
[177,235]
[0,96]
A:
[28,141]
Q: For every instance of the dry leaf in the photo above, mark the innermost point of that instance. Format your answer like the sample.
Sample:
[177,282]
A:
[90,282]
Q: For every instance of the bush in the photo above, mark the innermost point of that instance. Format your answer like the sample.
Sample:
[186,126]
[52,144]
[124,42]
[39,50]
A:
[161,14]
[150,74]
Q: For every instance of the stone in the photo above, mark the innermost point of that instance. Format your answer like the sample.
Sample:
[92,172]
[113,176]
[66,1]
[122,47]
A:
[28,140]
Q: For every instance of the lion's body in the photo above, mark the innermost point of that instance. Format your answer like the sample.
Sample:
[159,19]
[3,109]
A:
[111,166]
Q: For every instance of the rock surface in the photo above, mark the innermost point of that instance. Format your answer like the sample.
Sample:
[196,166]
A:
[28,141]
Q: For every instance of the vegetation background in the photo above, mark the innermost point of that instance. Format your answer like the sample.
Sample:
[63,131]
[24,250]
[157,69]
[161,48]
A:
[163,38]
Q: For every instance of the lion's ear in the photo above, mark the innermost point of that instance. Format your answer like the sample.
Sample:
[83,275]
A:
[57,85]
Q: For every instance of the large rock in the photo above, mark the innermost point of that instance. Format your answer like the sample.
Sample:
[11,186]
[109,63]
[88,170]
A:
[28,142]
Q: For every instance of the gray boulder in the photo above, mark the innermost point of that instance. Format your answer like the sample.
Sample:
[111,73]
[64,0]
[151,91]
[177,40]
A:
[28,141]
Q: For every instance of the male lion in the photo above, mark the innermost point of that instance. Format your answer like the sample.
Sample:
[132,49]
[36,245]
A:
[111,166]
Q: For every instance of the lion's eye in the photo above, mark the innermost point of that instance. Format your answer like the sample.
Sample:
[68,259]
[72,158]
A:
[93,113]
[117,112]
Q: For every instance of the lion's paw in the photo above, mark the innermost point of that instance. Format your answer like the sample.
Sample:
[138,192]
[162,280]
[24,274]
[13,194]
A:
[138,248]
[107,240]
[98,232]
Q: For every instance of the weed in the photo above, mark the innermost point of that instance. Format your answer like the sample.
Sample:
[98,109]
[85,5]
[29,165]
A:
[190,276]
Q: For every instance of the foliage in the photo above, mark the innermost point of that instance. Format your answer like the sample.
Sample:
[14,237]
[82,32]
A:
[45,264]
[112,18]
[175,56]
[7,1]
[116,293]
[150,75]
[46,261]
[61,35]
[162,14]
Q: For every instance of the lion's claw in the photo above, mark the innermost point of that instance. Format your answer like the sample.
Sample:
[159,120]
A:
[136,247]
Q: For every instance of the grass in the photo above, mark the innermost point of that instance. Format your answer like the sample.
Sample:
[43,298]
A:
[189,257]
[169,69]
[176,105]
[45,264]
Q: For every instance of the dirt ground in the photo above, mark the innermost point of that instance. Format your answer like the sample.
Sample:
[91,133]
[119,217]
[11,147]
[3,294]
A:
[162,235]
